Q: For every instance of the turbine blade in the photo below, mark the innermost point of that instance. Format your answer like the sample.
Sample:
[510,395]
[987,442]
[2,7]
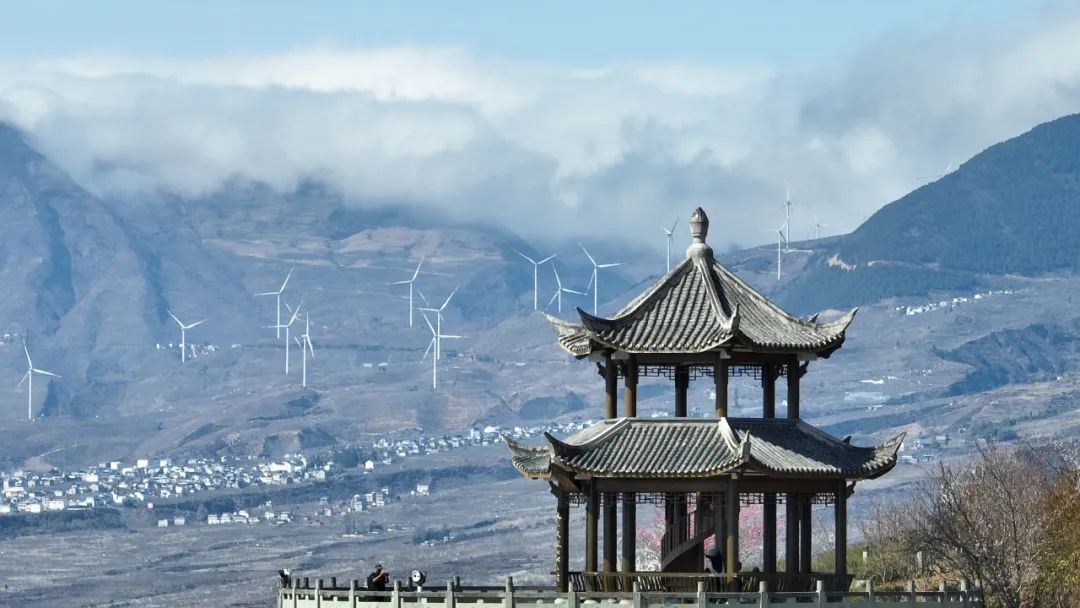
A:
[296,312]
[428,321]
[29,363]
[547,259]
[286,282]
[269,293]
[41,371]
[446,337]
[525,256]
[609,265]
[555,295]
[443,307]
[298,343]
[310,346]
[28,372]
[428,349]
[587,254]
[673,224]
[394,283]
[173,317]
[195,323]
[572,291]
[416,272]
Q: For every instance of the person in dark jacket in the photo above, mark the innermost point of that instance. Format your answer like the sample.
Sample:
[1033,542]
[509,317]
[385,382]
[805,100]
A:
[378,579]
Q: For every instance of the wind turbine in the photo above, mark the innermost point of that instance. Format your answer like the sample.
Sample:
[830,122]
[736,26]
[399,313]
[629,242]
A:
[670,232]
[817,228]
[183,334]
[536,276]
[277,295]
[29,378]
[286,327]
[304,342]
[595,277]
[438,319]
[436,341]
[410,282]
[559,290]
[786,227]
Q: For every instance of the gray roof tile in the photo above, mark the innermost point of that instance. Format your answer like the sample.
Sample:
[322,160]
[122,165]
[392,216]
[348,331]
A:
[704,447]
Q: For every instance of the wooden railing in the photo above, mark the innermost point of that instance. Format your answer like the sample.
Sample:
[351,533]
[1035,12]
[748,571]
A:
[686,533]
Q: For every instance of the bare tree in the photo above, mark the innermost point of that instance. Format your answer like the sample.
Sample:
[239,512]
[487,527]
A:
[986,520]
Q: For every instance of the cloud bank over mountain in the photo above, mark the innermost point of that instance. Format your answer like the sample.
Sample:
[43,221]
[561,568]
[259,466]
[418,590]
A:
[554,150]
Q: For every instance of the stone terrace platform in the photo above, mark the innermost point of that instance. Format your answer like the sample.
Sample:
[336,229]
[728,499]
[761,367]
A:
[315,594]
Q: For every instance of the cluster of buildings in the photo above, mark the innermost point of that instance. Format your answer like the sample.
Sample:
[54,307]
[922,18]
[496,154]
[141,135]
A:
[144,481]
[140,483]
[911,311]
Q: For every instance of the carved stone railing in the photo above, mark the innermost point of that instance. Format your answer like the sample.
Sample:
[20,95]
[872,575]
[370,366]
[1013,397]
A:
[298,594]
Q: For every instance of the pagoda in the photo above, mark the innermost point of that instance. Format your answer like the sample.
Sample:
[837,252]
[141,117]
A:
[700,321]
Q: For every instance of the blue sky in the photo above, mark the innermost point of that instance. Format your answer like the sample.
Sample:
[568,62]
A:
[544,115]
[565,32]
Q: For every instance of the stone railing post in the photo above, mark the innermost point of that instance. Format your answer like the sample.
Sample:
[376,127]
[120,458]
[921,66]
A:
[318,593]
[763,594]
[701,594]
[943,592]
[964,596]
[352,593]
[819,588]
[870,592]
[572,599]
[395,596]
[911,593]
[295,586]
[450,599]
[637,599]
[508,598]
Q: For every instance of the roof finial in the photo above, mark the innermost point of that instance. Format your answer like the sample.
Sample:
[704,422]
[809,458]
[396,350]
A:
[699,229]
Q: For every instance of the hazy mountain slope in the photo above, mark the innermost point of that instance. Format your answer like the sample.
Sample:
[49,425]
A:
[1012,209]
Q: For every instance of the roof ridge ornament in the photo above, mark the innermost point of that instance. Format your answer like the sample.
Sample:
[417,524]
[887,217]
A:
[699,229]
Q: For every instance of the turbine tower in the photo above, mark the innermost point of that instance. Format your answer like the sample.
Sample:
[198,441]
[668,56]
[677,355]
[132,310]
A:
[436,342]
[438,319]
[670,232]
[781,244]
[559,290]
[183,334]
[817,228]
[594,282]
[410,282]
[286,327]
[306,348]
[536,276]
[29,379]
[277,295]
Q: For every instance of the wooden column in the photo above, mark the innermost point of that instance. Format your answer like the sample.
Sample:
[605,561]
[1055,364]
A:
[629,533]
[629,542]
[768,390]
[768,531]
[611,539]
[682,384]
[720,378]
[611,387]
[791,533]
[562,543]
[840,511]
[805,550]
[793,389]
[592,519]
[731,508]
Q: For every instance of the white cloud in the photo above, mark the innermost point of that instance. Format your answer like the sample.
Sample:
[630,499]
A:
[547,148]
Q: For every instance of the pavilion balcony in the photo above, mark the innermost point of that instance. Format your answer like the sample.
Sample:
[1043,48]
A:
[692,591]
